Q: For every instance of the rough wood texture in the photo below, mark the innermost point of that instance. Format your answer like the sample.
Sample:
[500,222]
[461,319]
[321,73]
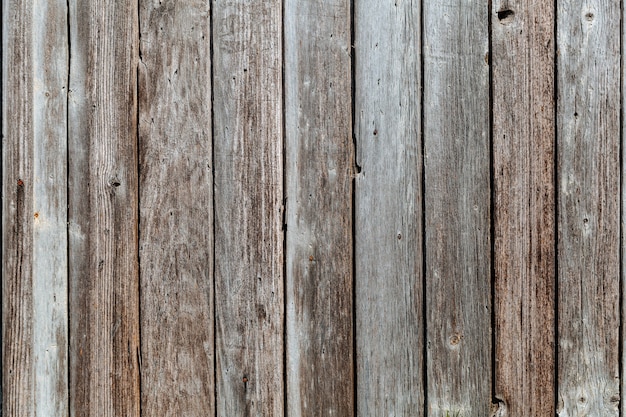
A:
[176,203]
[588,118]
[103,209]
[523,153]
[249,254]
[34,221]
[319,177]
[388,221]
[457,208]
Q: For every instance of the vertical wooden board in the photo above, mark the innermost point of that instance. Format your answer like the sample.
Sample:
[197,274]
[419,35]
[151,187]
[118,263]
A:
[523,164]
[388,204]
[457,208]
[34,135]
[319,177]
[588,126]
[176,209]
[248,131]
[103,210]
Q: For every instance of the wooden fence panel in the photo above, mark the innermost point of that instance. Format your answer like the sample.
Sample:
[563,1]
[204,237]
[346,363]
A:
[388,206]
[176,204]
[249,234]
[457,208]
[34,211]
[103,209]
[588,128]
[319,177]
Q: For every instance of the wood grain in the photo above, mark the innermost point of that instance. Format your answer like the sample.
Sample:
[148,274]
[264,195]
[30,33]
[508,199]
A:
[319,176]
[457,208]
[103,210]
[588,117]
[176,206]
[249,256]
[388,204]
[34,221]
[523,151]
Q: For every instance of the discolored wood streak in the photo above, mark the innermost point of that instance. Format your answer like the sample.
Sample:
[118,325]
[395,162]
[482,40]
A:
[248,126]
[103,209]
[388,221]
[319,176]
[523,150]
[34,319]
[176,209]
[588,117]
[457,208]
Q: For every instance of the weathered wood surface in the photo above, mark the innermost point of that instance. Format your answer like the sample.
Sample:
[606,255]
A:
[176,206]
[588,143]
[103,209]
[34,131]
[457,208]
[388,206]
[524,210]
[249,255]
[319,176]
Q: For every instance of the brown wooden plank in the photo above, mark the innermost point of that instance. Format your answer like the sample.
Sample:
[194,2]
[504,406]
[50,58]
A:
[319,176]
[103,209]
[523,149]
[176,204]
[457,208]
[34,131]
[248,128]
[588,117]
[388,207]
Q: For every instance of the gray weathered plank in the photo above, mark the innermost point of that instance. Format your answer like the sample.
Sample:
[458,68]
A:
[457,208]
[34,221]
[103,209]
[388,204]
[319,177]
[176,209]
[248,129]
[523,149]
[588,126]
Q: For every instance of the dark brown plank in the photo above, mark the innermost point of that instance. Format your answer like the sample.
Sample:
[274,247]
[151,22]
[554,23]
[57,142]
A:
[103,210]
[176,205]
[523,150]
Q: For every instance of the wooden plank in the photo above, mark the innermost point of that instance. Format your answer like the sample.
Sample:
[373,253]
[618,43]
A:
[176,210]
[388,206]
[588,126]
[103,210]
[319,176]
[457,208]
[249,256]
[523,164]
[34,131]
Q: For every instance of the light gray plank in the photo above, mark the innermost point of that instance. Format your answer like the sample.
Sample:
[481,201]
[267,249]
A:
[176,209]
[103,209]
[457,208]
[319,177]
[34,131]
[588,117]
[388,220]
[249,256]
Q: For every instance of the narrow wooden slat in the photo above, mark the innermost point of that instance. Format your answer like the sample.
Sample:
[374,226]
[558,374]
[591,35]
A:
[319,176]
[388,221]
[523,150]
[588,126]
[176,203]
[34,131]
[248,128]
[103,209]
[457,208]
